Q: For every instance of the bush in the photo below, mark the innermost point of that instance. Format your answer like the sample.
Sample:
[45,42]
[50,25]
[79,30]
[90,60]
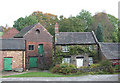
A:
[110,68]
[64,69]
[105,63]
[94,65]
[116,67]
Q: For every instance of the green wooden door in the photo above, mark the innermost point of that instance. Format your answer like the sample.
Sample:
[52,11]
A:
[7,64]
[33,62]
[40,49]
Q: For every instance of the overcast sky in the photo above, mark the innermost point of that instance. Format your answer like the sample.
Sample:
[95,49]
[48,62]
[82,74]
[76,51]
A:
[11,10]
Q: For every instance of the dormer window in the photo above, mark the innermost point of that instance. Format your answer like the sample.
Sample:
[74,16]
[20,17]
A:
[37,31]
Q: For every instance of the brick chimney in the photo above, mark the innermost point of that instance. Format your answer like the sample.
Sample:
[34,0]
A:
[56,28]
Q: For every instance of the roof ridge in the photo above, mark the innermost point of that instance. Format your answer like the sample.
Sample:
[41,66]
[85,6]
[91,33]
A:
[74,32]
[11,38]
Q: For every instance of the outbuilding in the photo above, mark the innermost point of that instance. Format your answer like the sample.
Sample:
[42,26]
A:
[12,54]
[110,51]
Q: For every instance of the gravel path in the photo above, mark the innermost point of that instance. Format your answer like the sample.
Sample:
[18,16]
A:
[80,78]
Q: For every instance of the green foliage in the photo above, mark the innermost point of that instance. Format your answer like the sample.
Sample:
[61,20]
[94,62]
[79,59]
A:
[83,22]
[114,22]
[47,20]
[94,65]
[119,31]
[106,63]
[23,22]
[87,19]
[99,33]
[64,69]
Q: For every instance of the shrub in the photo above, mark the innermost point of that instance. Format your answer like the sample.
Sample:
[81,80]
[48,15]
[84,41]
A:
[116,67]
[105,63]
[64,69]
[110,69]
[94,65]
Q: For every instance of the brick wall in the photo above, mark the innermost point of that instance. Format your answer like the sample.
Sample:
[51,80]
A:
[47,51]
[33,38]
[17,58]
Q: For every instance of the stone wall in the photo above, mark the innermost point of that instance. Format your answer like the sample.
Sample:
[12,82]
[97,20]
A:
[17,58]
[85,59]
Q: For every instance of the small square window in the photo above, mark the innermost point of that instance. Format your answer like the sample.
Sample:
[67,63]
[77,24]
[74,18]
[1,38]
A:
[65,49]
[66,60]
[31,47]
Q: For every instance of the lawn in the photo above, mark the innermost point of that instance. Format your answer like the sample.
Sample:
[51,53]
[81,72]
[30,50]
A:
[40,74]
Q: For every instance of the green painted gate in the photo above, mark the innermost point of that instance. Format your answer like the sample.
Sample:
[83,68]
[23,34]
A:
[40,49]
[33,62]
[7,64]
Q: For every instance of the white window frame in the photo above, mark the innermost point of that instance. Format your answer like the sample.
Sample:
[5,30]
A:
[65,49]
[66,60]
[90,60]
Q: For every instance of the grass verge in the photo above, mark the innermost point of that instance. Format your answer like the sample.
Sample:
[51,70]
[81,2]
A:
[42,74]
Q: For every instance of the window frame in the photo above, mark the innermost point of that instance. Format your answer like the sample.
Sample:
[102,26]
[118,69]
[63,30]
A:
[66,49]
[90,60]
[66,60]
[33,46]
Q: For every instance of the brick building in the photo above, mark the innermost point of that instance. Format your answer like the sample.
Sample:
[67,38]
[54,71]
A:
[38,46]
[12,54]
[10,33]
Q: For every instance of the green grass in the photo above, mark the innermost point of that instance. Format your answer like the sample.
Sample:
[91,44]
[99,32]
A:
[41,74]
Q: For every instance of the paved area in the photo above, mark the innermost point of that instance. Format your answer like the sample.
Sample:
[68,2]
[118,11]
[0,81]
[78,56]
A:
[80,78]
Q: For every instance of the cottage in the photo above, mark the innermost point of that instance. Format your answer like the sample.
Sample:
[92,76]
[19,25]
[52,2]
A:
[12,54]
[10,33]
[75,38]
[110,51]
[38,46]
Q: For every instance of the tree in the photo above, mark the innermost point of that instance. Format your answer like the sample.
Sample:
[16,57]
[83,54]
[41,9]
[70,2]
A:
[107,23]
[47,20]
[23,22]
[87,18]
[99,33]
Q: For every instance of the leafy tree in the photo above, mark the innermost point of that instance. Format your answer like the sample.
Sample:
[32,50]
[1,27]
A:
[99,33]
[23,22]
[108,22]
[87,19]
[46,19]
[114,22]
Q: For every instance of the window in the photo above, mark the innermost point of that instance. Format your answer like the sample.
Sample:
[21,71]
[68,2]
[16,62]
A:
[65,49]
[37,31]
[30,47]
[90,60]
[66,60]
[90,47]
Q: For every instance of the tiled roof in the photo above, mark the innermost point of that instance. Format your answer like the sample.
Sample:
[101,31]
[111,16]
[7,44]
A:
[71,38]
[24,31]
[12,44]
[110,50]
[10,34]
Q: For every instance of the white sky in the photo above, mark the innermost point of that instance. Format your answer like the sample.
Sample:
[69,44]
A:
[11,10]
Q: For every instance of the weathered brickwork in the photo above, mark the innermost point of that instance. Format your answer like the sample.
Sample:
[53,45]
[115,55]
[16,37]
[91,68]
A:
[17,58]
[33,38]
